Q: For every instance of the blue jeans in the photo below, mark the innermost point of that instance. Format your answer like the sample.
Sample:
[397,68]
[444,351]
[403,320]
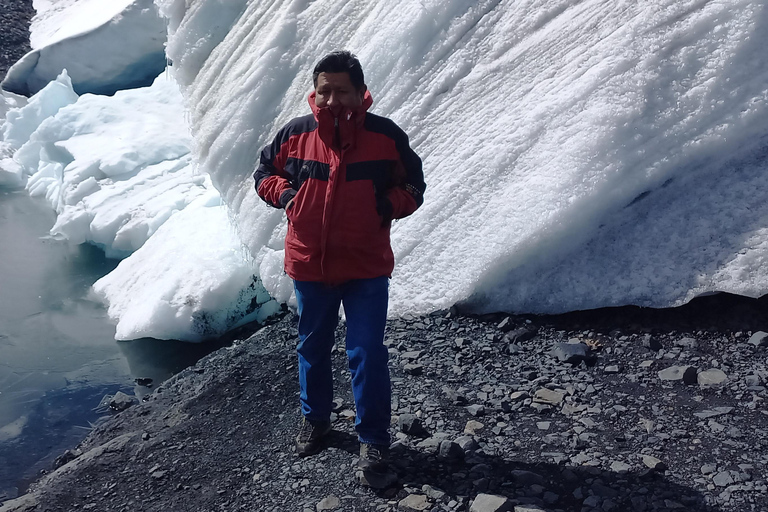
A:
[365,305]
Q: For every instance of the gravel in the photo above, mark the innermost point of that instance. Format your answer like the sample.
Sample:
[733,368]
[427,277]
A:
[552,436]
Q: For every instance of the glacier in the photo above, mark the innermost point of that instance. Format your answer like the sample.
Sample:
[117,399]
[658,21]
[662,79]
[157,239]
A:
[85,38]
[578,153]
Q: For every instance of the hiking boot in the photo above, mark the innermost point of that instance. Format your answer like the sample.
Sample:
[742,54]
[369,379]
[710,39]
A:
[309,441]
[373,457]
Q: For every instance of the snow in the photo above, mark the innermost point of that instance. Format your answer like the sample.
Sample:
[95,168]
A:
[578,154]
[539,123]
[104,45]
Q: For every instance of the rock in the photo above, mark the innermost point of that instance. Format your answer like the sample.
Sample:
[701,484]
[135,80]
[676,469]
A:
[612,369]
[519,395]
[467,443]
[376,480]
[491,503]
[430,445]
[711,413]
[652,343]
[454,396]
[410,424]
[157,475]
[432,492]
[620,467]
[654,463]
[413,369]
[414,503]
[521,335]
[121,401]
[528,508]
[476,410]
[722,479]
[328,503]
[450,450]
[687,374]
[573,353]
[527,478]
[759,339]
[711,377]
[687,343]
[548,396]
[505,325]
[473,427]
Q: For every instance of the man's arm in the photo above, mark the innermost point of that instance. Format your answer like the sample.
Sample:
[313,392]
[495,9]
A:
[272,182]
[408,195]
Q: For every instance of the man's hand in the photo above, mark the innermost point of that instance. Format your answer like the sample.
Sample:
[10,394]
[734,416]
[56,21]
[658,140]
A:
[286,198]
[289,205]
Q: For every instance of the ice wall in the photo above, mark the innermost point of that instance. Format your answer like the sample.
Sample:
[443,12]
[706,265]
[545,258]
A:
[577,153]
[105,46]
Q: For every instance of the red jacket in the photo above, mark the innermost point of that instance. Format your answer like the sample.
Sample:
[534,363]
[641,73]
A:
[348,177]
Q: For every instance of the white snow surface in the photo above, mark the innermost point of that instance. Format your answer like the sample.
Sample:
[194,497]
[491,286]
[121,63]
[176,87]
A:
[106,45]
[116,170]
[578,153]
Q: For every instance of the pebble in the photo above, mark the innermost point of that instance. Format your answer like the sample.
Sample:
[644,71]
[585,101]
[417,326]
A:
[548,397]
[573,353]
[473,427]
[410,424]
[121,401]
[759,339]
[476,410]
[654,463]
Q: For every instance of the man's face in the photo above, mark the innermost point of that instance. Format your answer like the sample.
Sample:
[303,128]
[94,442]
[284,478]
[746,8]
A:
[335,91]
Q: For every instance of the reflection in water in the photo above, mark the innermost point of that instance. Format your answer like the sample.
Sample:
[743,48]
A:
[58,356]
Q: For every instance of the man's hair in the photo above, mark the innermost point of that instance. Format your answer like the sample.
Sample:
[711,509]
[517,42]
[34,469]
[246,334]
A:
[340,61]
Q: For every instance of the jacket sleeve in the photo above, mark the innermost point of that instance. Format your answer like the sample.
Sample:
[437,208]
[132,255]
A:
[408,194]
[272,182]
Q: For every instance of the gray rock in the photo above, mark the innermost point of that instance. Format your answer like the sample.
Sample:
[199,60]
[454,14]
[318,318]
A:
[454,396]
[413,369]
[620,467]
[467,443]
[376,480]
[722,479]
[491,503]
[527,478]
[652,343]
[450,450]
[505,325]
[614,368]
[711,413]
[711,377]
[476,410]
[759,339]
[521,335]
[548,396]
[528,508]
[121,401]
[414,503]
[473,427]
[654,463]
[687,343]
[410,424]
[573,353]
[687,374]
[328,503]
[432,492]
[708,469]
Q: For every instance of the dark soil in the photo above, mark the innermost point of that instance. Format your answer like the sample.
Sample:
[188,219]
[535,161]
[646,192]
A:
[15,16]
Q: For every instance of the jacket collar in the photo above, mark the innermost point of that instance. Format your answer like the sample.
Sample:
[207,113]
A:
[348,122]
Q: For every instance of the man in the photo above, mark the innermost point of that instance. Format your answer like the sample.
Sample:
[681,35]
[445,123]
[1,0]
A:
[341,174]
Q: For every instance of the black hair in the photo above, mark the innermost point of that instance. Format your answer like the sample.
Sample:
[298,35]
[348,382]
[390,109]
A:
[340,61]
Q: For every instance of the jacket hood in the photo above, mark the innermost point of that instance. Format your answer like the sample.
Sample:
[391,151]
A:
[340,132]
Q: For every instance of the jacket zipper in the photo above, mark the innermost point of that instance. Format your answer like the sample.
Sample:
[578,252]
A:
[338,152]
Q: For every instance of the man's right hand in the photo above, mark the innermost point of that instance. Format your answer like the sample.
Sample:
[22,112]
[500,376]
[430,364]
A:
[286,198]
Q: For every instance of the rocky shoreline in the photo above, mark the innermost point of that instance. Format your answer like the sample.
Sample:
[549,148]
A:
[491,413]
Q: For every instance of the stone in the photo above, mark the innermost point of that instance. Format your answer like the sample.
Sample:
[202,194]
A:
[612,369]
[652,343]
[711,413]
[432,492]
[376,480]
[687,343]
[450,450]
[414,503]
[548,396]
[654,463]
[620,467]
[328,503]
[527,478]
[121,401]
[476,410]
[467,443]
[505,325]
[687,374]
[528,508]
[473,427]
[491,503]
[519,395]
[454,396]
[722,479]
[413,369]
[711,377]
[573,353]
[520,335]
[759,339]
[410,424]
